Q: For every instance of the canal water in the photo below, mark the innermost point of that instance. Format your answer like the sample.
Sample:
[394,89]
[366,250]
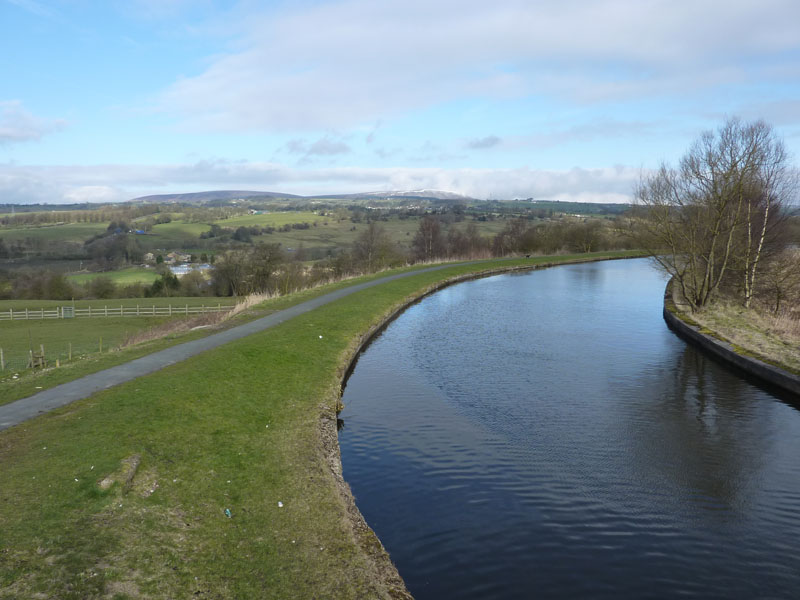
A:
[545,435]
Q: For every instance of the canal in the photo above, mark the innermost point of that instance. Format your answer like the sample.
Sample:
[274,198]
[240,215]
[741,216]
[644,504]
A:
[545,435]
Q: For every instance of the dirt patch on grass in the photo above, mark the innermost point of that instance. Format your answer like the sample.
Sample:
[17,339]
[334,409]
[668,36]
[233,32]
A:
[124,476]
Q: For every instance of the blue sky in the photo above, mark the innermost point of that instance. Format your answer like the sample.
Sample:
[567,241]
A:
[557,99]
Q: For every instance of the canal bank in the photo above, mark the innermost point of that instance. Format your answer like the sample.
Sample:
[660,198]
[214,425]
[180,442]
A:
[233,495]
[717,346]
[369,542]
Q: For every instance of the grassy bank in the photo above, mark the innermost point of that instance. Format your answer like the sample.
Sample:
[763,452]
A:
[31,381]
[234,494]
[774,339]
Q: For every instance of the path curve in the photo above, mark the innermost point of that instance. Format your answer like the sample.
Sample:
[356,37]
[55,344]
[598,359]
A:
[23,409]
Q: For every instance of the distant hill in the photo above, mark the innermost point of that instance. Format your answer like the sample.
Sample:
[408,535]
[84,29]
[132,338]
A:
[208,197]
[410,194]
[227,196]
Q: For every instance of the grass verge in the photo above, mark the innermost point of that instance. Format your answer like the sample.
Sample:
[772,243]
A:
[772,339]
[218,474]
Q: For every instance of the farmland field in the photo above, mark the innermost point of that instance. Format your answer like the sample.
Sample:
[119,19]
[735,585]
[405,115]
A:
[121,277]
[273,219]
[64,232]
[18,337]
[341,234]
[167,235]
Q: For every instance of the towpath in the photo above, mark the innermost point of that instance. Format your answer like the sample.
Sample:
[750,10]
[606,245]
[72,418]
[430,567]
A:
[20,410]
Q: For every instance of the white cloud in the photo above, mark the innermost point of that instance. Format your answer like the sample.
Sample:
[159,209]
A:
[104,183]
[18,125]
[601,128]
[324,146]
[341,64]
[484,142]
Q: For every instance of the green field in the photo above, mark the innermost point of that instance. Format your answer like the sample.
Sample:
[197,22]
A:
[66,232]
[59,337]
[121,277]
[234,496]
[171,236]
[81,336]
[273,219]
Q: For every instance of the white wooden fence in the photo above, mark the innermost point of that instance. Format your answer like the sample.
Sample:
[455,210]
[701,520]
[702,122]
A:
[67,312]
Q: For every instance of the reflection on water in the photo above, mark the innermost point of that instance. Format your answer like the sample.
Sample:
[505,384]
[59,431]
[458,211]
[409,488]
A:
[546,435]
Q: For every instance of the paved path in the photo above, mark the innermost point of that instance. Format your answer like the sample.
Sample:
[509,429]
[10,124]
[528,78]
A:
[26,408]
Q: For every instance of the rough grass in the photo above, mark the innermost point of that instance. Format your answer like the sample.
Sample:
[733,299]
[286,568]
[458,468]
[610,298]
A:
[759,332]
[85,336]
[17,338]
[223,438]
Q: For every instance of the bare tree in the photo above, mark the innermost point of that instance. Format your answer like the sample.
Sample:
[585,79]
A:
[466,242]
[229,273]
[773,185]
[373,249]
[691,218]
[428,242]
[781,280]
[261,265]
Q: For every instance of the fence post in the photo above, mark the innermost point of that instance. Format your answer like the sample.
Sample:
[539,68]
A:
[170,309]
[187,310]
[70,350]
[26,314]
[101,344]
[137,310]
[12,314]
[106,309]
[2,361]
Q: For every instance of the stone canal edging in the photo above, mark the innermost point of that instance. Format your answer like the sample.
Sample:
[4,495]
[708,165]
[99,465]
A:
[685,327]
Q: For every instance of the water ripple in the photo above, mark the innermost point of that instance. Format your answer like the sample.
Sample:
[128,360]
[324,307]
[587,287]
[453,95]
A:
[545,435]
